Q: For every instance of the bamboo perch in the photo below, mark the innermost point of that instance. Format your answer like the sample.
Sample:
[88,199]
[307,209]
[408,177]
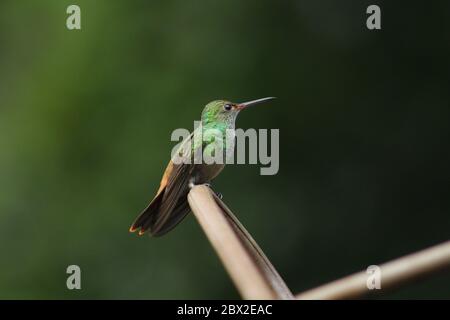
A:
[251,271]
[256,278]
[258,255]
[393,273]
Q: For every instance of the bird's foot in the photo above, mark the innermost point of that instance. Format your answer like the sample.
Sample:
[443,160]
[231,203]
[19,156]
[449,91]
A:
[218,194]
[192,184]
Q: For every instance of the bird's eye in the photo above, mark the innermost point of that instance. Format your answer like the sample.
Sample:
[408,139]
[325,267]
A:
[227,107]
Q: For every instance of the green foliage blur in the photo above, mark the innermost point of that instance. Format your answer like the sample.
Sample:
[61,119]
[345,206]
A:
[86,118]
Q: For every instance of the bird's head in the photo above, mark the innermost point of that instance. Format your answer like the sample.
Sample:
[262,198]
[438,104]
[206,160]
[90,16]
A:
[226,111]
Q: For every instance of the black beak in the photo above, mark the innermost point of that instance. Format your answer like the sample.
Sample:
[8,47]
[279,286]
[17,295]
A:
[244,105]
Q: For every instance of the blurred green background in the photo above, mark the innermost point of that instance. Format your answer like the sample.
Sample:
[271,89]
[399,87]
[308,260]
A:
[86,118]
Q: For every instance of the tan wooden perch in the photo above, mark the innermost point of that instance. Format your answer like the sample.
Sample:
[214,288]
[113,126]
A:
[251,271]
[393,274]
[256,278]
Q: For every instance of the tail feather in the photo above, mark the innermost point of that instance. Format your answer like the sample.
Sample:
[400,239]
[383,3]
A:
[148,215]
[176,215]
[157,219]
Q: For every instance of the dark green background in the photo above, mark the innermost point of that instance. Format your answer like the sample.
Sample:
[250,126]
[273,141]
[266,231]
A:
[86,117]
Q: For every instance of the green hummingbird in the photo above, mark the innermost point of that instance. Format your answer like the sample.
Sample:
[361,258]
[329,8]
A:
[170,204]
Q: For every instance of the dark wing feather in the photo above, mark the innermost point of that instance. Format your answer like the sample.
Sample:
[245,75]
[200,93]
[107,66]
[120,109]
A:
[170,205]
[148,215]
[178,213]
[176,190]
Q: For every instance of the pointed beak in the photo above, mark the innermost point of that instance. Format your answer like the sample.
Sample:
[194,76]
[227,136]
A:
[244,105]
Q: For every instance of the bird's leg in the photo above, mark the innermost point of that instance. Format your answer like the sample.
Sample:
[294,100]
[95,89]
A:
[192,183]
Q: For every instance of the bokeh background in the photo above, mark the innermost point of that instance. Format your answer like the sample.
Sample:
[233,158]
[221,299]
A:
[86,118]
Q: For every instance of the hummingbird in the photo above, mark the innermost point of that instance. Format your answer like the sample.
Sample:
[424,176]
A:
[170,205]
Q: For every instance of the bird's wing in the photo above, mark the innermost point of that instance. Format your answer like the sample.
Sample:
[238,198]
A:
[176,190]
[178,157]
[175,184]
